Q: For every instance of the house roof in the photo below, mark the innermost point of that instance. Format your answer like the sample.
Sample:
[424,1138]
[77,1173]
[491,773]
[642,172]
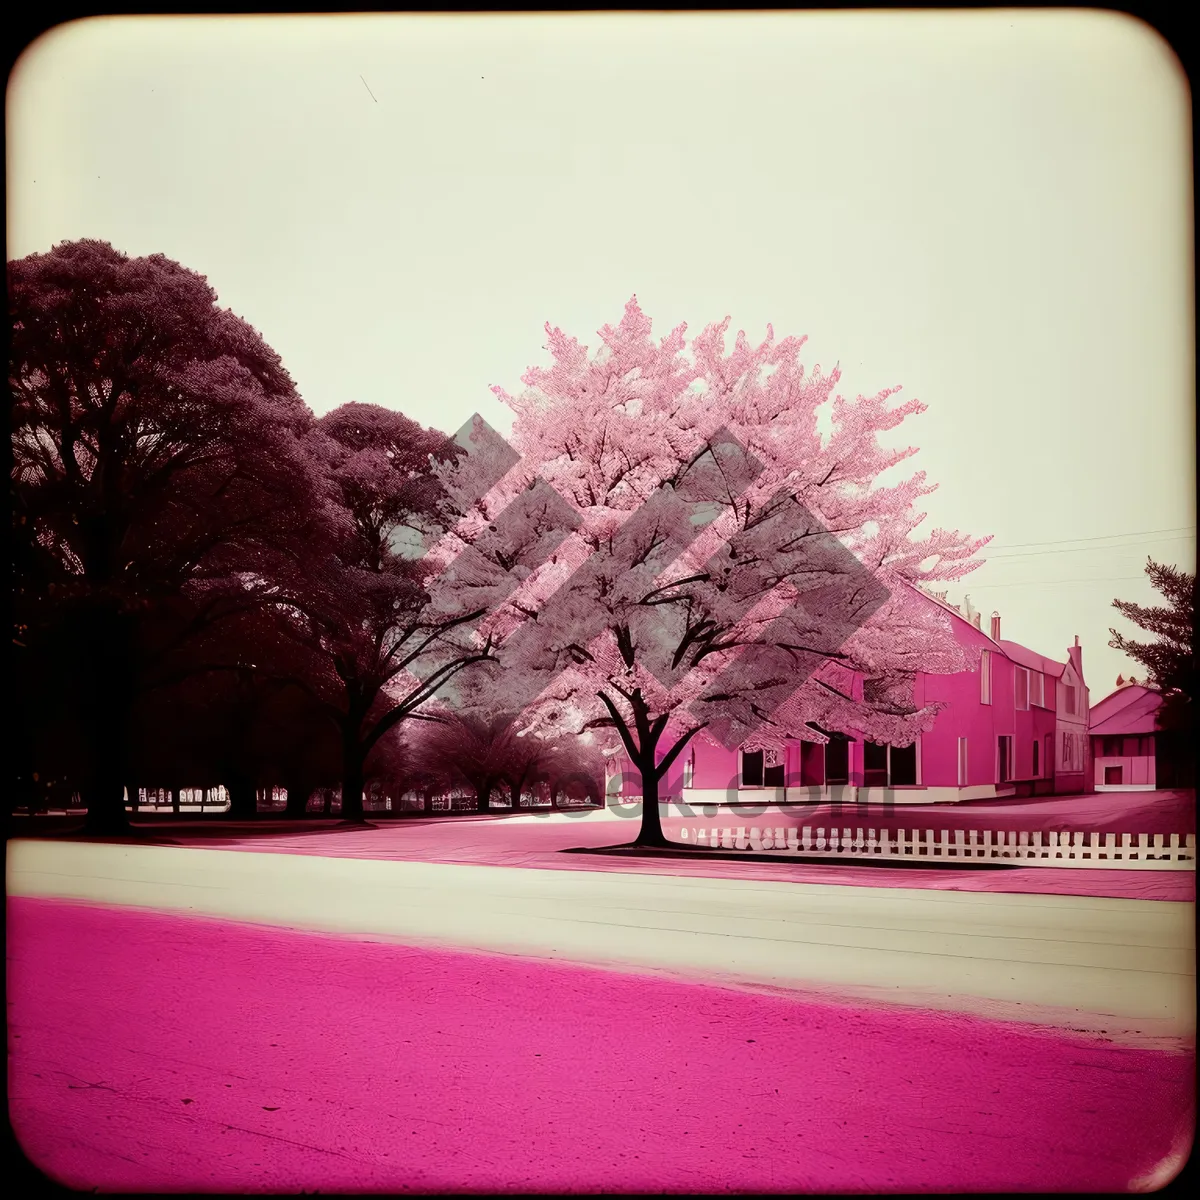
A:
[1032,659]
[1019,654]
[953,611]
[1130,709]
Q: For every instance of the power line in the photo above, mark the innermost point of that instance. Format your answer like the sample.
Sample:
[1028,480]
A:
[1101,538]
[985,587]
[1179,537]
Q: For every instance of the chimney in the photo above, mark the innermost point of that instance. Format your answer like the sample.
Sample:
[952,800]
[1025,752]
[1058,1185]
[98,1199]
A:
[996,627]
[976,620]
[1075,657]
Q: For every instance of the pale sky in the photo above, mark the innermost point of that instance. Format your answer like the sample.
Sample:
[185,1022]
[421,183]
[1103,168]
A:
[992,208]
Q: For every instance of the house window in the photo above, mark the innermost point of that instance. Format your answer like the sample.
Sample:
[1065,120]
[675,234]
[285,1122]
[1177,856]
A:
[889,766]
[902,765]
[985,677]
[1037,766]
[689,770]
[1071,700]
[752,768]
[962,762]
[812,764]
[1072,752]
[1037,689]
[762,768]
[837,760]
[1110,747]
[1022,689]
[773,774]
[1003,759]
[1113,776]
[874,765]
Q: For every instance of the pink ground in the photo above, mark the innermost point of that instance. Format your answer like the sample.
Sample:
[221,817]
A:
[165,1053]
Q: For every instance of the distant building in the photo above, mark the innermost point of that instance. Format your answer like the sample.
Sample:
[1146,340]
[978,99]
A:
[1128,750]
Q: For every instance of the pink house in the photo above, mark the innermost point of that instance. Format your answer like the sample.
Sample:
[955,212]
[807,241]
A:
[1016,726]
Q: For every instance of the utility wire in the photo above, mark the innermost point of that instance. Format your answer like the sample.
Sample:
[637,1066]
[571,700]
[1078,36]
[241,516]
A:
[987,587]
[1101,538]
[1179,537]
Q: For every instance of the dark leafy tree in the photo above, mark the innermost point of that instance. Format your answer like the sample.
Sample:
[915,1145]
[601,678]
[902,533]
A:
[1170,657]
[160,480]
[369,643]
[483,753]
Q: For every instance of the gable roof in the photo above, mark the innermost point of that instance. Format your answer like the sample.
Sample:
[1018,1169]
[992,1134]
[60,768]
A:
[1130,709]
[953,611]
[1033,660]
[1014,651]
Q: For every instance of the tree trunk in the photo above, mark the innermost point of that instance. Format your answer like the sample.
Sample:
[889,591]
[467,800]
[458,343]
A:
[651,832]
[243,797]
[105,800]
[352,779]
[105,792]
[297,798]
[515,795]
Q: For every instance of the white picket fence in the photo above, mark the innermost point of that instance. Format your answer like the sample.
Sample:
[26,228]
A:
[1141,851]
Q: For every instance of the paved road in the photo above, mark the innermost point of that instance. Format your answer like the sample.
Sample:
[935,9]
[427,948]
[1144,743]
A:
[1125,966]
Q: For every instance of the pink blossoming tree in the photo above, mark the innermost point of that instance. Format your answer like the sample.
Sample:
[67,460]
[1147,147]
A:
[700,555]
